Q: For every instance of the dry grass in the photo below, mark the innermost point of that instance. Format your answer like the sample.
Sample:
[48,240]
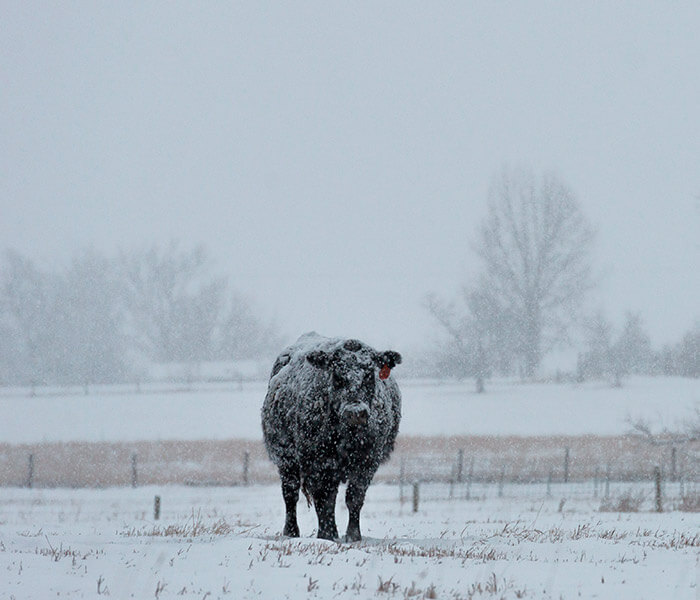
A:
[221,462]
[195,526]
[689,503]
[491,587]
[105,464]
[58,552]
[478,552]
[627,502]
[534,458]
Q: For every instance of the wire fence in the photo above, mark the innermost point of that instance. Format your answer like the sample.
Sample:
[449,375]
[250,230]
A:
[483,469]
[625,496]
[176,386]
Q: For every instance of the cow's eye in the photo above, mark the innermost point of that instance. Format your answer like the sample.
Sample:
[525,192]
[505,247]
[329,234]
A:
[339,381]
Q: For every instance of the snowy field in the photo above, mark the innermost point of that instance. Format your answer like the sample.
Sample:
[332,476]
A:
[121,413]
[224,543]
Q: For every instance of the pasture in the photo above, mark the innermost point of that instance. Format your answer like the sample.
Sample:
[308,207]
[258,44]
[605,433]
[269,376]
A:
[528,491]
[224,543]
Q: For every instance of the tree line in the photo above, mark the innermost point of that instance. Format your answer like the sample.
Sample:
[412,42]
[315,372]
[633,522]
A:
[101,319]
[614,354]
[530,297]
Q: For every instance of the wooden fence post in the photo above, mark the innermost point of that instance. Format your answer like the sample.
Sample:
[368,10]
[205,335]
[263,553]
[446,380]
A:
[30,472]
[134,473]
[246,466]
[674,453]
[657,486]
[595,483]
[470,477]
[607,481]
[460,465]
[416,494]
[566,465]
[500,481]
[156,508]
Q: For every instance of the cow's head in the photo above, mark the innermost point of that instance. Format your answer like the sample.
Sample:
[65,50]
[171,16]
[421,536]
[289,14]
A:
[354,369]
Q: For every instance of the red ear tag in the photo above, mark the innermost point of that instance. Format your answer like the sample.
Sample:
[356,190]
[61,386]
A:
[384,372]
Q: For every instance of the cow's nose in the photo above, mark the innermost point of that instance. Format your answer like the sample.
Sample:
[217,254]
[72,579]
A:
[356,416]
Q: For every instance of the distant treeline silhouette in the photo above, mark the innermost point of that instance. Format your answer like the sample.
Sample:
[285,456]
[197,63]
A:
[101,319]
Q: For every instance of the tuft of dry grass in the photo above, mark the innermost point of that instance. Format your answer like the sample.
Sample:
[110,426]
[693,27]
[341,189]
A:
[627,502]
[675,541]
[491,587]
[388,586]
[58,553]
[195,526]
[472,553]
[689,503]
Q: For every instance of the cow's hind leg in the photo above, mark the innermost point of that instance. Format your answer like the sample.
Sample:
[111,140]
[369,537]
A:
[289,474]
[354,498]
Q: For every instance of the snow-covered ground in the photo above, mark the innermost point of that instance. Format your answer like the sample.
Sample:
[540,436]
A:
[223,543]
[429,408]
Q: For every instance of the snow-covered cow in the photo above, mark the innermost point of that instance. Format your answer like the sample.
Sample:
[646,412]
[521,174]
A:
[331,414]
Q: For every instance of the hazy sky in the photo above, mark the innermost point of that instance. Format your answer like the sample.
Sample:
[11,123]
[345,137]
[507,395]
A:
[335,158]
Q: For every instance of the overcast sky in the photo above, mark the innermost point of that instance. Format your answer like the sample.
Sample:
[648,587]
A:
[335,158]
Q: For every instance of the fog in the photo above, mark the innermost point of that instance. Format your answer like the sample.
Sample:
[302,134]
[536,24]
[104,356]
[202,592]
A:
[335,159]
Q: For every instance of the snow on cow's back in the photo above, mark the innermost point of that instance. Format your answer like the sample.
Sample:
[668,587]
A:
[295,354]
[308,343]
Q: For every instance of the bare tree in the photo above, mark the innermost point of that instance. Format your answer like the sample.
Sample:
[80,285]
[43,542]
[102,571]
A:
[180,312]
[682,358]
[535,246]
[244,335]
[665,437]
[688,353]
[633,346]
[597,362]
[173,302]
[476,333]
[87,342]
[611,355]
[24,311]
[61,327]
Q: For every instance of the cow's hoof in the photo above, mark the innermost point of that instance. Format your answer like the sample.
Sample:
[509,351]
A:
[328,535]
[291,531]
[352,536]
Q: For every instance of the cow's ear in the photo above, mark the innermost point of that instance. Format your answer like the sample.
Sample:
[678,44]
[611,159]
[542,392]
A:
[319,359]
[388,358]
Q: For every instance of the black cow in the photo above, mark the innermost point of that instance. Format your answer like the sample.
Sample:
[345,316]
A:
[331,415]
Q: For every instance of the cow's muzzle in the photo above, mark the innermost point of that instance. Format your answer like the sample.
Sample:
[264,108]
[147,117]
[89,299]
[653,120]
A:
[356,415]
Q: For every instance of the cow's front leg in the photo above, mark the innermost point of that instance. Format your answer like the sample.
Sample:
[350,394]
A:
[324,501]
[354,498]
